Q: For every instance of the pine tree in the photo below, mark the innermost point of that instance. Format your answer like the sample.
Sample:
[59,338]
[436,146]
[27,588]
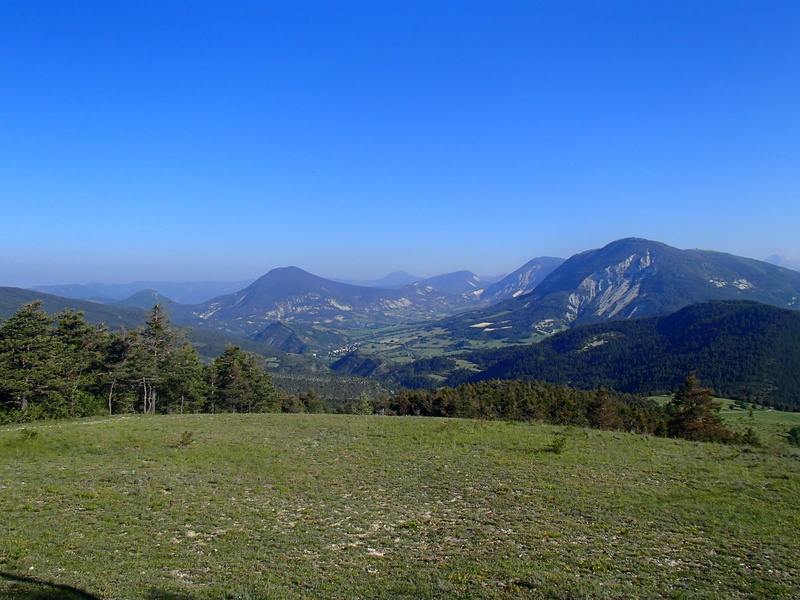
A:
[363,406]
[154,364]
[29,374]
[183,386]
[693,415]
[601,413]
[239,383]
[80,361]
[312,402]
[157,341]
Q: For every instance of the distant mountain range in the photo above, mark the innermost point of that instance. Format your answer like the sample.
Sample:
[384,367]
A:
[292,295]
[108,293]
[295,311]
[635,315]
[295,297]
[628,278]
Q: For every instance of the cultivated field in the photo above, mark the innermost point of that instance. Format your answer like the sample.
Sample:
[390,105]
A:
[403,343]
[335,506]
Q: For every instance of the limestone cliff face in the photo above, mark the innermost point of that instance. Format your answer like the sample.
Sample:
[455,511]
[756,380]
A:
[630,278]
[610,292]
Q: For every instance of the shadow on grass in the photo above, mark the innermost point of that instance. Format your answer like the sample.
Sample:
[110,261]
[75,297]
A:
[19,587]
[159,595]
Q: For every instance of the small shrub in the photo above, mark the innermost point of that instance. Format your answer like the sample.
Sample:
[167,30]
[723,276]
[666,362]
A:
[750,437]
[28,434]
[793,436]
[558,444]
[187,437]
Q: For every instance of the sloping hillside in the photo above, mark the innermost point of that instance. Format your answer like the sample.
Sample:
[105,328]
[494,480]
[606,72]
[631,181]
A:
[741,349]
[11,299]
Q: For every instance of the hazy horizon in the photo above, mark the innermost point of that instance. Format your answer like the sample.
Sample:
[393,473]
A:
[162,141]
[246,280]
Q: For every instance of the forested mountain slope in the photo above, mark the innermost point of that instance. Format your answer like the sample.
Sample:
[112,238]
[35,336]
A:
[741,349]
[11,299]
[209,344]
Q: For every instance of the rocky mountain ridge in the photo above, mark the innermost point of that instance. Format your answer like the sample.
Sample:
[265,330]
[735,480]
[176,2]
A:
[299,312]
[631,278]
[292,295]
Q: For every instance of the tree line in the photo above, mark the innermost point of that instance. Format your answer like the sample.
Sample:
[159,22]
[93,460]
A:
[58,366]
[691,414]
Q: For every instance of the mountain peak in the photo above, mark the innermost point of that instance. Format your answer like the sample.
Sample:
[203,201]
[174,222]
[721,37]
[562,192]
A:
[284,281]
[143,299]
[283,271]
[783,261]
[633,277]
[523,280]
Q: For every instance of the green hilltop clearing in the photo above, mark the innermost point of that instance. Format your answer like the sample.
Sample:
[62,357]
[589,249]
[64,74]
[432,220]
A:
[259,506]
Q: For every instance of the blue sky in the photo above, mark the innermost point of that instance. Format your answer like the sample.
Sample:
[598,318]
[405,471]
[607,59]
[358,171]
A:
[200,140]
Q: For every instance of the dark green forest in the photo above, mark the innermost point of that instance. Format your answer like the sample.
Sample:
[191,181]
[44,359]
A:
[59,366]
[743,350]
[692,414]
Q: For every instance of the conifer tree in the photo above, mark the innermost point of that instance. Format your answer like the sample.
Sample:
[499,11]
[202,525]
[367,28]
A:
[363,406]
[239,383]
[601,413]
[29,374]
[693,415]
[82,349]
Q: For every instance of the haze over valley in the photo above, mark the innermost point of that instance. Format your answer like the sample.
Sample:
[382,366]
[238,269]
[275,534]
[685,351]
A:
[387,329]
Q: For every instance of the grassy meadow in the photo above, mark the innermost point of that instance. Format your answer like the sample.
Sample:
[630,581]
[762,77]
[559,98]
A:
[339,506]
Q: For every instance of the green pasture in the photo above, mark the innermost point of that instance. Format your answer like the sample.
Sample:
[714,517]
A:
[340,506]
[771,426]
[418,342]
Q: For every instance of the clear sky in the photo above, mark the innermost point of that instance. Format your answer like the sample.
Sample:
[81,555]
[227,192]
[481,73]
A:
[198,140]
